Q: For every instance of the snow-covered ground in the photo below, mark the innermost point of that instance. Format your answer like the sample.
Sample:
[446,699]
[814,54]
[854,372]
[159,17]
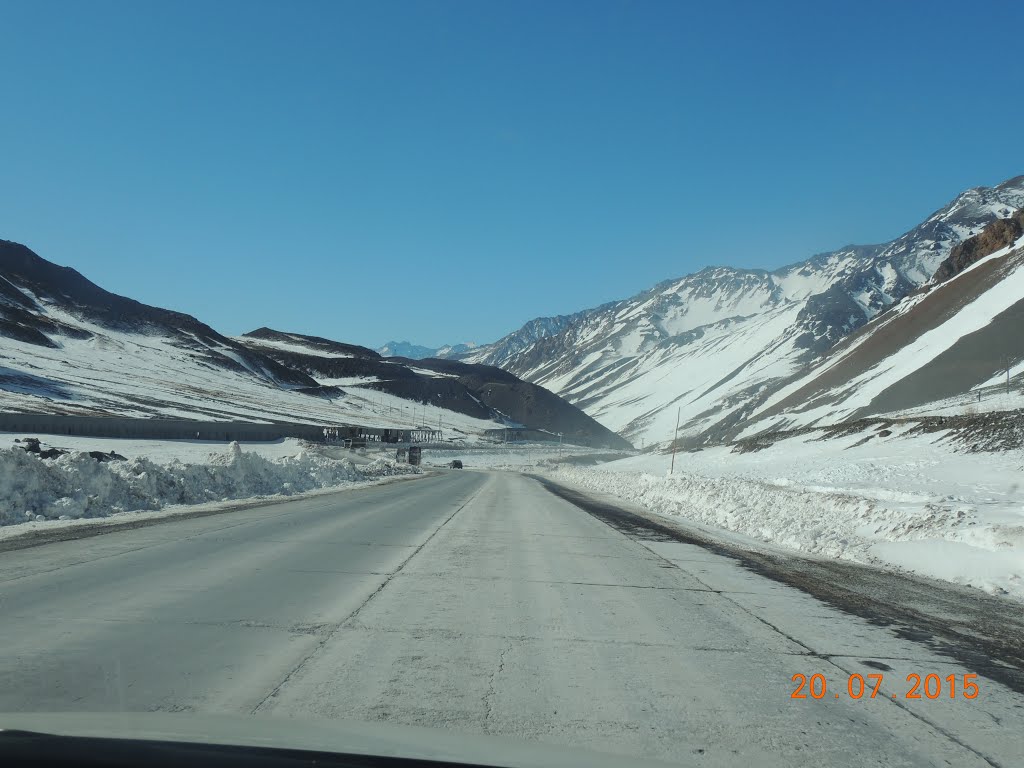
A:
[157,474]
[909,502]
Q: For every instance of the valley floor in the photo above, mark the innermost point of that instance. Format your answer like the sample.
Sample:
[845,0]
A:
[484,604]
[899,501]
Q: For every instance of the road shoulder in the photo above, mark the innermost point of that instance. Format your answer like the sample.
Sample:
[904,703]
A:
[972,628]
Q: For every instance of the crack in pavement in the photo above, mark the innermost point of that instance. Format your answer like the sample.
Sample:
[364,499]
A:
[332,570]
[507,580]
[491,687]
[341,624]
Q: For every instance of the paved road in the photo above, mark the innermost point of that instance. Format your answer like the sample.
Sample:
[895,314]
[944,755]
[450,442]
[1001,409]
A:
[484,603]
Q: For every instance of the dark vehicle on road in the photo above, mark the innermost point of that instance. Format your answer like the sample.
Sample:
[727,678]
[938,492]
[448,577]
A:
[455,464]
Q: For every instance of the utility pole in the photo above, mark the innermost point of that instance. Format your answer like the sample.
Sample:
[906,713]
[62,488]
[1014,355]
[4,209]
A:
[675,439]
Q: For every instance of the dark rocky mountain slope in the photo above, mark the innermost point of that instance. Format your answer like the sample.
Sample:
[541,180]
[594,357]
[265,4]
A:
[68,346]
[479,391]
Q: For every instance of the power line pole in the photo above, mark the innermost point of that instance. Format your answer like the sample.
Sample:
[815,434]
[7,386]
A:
[675,439]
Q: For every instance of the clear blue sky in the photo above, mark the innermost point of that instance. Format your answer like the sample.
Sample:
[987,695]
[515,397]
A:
[445,171]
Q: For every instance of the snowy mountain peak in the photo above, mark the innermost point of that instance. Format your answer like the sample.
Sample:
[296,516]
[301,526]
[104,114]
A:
[918,253]
[711,342]
[418,352]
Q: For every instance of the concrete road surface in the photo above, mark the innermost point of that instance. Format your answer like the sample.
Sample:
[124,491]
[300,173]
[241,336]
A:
[484,603]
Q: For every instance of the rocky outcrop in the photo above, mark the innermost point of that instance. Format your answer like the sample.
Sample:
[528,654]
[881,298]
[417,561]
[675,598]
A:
[997,235]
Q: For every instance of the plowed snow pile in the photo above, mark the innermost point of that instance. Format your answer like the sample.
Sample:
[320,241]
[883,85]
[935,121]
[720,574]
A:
[76,485]
[911,502]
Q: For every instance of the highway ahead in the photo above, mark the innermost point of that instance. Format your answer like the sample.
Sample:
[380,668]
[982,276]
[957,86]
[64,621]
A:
[481,602]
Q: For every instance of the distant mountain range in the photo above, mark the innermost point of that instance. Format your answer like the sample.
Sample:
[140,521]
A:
[858,331]
[69,347]
[714,344]
[417,352]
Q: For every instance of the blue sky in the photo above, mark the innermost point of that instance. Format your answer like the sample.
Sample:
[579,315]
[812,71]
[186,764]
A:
[445,171]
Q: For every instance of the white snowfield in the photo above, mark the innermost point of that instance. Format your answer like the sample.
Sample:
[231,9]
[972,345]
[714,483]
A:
[905,502]
[76,486]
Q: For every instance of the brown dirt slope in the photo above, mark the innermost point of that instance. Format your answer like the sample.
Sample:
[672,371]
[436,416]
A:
[951,373]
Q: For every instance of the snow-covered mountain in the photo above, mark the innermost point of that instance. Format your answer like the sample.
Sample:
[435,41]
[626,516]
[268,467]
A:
[69,347]
[958,336]
[480,392]
[418,352]
[712,344]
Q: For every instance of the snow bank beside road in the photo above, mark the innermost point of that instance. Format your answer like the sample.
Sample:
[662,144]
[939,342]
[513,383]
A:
[159,451]
[908,502]
[76,485]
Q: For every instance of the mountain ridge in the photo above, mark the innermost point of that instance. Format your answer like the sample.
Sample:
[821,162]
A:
[80,297]
[949,339]
[73,348]
[632,362]
[419,352]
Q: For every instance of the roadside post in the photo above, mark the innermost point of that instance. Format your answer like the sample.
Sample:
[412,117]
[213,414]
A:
[675,439]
